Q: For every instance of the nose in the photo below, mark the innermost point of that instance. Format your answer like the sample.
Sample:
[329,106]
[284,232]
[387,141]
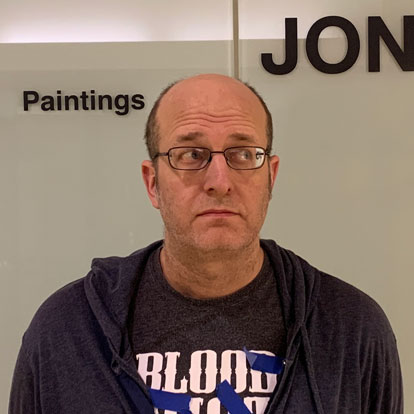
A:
[217,179]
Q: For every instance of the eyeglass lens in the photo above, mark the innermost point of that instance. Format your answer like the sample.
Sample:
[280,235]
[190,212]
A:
[240,158]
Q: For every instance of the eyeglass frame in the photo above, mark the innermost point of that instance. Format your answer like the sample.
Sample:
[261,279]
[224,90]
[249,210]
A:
[167,154]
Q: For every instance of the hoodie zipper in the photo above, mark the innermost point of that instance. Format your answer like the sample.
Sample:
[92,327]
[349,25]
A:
[132,385]
[289,362]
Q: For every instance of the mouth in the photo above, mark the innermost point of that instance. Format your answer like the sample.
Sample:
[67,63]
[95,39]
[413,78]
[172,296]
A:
[219,213]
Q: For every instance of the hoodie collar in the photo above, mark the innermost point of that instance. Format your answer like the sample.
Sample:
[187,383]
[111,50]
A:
[110,286]
[112,281]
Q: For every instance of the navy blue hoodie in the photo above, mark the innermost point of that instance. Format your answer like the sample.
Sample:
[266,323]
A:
[76,357]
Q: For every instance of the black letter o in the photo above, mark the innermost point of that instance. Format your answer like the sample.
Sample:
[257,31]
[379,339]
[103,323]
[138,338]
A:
[312,49]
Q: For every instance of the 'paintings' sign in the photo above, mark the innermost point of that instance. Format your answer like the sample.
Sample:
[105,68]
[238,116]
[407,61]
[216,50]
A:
[121,104]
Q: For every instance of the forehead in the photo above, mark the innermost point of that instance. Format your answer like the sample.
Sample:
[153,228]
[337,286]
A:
[211,104]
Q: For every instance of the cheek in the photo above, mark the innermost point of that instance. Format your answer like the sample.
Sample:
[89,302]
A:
[258,188]
[257,199]
[175,199]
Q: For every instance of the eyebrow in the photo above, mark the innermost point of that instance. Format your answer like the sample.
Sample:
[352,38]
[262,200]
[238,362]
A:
[243,137]
[191,136]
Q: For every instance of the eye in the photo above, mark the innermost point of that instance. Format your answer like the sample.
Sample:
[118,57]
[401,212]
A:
[245,158]
[188,157]
[191,154]
[245,155]
[242,154]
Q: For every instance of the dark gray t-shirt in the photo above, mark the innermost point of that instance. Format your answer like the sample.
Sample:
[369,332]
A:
[190,346]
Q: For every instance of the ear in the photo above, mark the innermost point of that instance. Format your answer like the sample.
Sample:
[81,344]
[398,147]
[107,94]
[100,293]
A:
[148,175]
[274,168]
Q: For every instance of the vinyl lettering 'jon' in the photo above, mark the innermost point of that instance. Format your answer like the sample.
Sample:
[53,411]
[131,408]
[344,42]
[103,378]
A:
[377,31]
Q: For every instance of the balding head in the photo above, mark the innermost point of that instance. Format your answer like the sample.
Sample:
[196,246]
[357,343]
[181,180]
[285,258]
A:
[205,89]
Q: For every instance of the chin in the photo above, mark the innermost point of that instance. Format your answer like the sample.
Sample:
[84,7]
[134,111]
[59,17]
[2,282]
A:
[221,243]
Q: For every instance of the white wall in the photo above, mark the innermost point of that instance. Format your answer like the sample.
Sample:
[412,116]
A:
[49,21]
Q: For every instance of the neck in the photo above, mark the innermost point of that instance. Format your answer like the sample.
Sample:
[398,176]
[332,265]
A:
[202,275]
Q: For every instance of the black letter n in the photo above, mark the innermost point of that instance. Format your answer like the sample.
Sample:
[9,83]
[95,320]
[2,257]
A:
[376,30]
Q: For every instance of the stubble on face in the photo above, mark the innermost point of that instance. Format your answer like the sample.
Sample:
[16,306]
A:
[184,236]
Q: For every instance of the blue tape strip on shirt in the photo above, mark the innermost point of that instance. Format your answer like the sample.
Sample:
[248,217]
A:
[171,401]
[230,400]
[264,363]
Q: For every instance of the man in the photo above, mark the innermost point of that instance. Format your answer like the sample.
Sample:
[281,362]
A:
[212,319]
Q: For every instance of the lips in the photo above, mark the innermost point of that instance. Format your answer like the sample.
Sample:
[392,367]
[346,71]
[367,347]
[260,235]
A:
[218,213]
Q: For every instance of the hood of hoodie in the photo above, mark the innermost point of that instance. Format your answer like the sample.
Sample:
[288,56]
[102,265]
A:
[111,283]
[110,286]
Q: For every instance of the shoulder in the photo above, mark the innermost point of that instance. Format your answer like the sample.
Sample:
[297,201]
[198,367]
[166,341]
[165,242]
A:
[325,298]
[80,307]
[348,309]
[68,298]
[346,305]
[58,314]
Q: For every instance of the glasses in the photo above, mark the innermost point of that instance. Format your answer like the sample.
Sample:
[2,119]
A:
[196,158]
